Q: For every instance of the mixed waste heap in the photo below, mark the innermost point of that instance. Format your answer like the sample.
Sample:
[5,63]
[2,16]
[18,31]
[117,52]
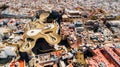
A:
[60,33]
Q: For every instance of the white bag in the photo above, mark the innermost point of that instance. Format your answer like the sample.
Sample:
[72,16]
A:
[10,50]
[3,54]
